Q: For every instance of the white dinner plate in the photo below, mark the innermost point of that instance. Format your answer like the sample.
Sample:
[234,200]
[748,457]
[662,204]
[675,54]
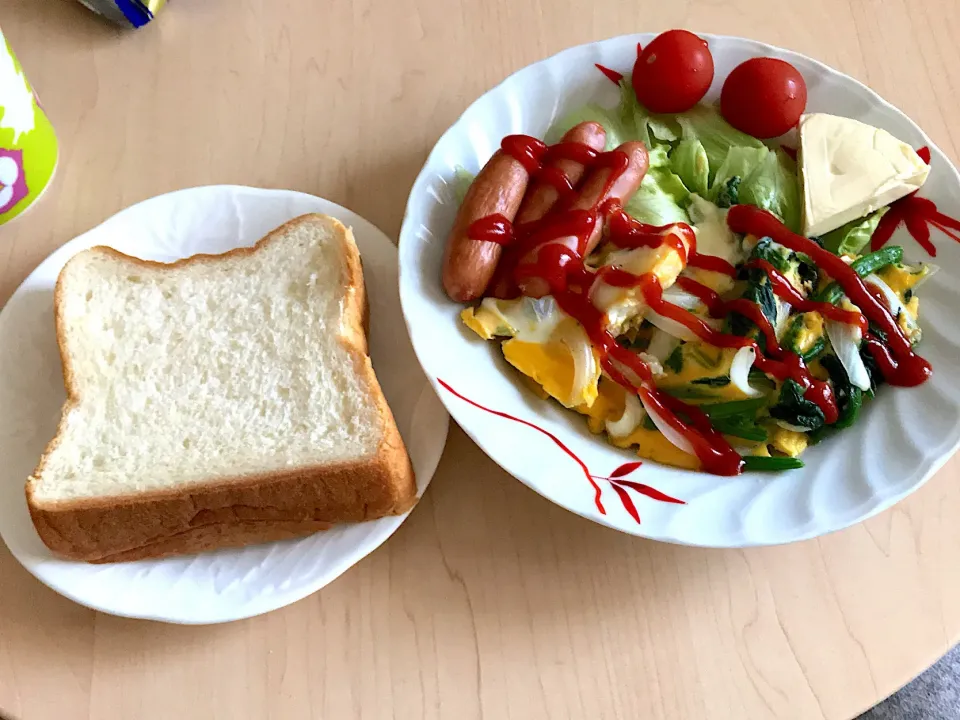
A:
[900,440]
[225,584]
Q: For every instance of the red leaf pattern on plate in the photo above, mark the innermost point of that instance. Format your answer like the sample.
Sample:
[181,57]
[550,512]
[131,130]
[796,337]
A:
[625,469]
[627,502]
[616,483]
[650,492]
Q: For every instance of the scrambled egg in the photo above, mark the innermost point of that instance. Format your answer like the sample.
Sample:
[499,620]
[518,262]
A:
[809,332]
[543,343]
[626,307]
[816,369]
[718,282]
[650,443]
[713,238]
[551,365]
[531,320]
[902,279]
[556,359]
[788,442]
[699,373]
[547,364]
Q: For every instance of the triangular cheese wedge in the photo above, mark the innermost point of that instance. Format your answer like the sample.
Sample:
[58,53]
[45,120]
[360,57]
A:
[849,169]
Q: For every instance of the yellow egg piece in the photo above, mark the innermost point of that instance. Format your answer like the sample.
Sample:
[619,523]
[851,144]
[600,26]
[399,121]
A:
[654,446]
[470,319]
[718,282]
[810,332]
[816,369]
[789,442]
[703,369]
[551,365]
[607,406]
[625,307]
[900,278]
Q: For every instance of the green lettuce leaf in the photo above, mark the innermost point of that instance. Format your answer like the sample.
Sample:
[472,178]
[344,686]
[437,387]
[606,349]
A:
[632,115]
[695,151]
[853,237]
[462,178]
[704,123]
[740,162]
[662,196]
[689,161]
[617,131]
[664,128]
[640,124]
[774,186]
[659,156]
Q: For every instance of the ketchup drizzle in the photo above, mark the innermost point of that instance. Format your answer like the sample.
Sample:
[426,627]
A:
[526,150]
[776,362]
[918,215]
[712,263]
[494,228]
[784,290]
[898,363]
[552,251]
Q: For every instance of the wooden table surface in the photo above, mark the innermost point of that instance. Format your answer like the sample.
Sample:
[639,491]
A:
[489,601]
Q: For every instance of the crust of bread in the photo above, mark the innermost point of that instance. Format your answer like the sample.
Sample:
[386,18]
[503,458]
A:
[218,536]
[245,509]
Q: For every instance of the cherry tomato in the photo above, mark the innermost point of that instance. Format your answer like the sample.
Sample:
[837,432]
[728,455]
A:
[763,97]
[673,72]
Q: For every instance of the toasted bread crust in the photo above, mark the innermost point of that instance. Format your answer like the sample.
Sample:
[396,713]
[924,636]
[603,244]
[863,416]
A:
[242,510]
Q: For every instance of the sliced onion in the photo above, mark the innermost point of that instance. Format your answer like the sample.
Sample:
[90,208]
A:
[653,363]
[681,298]
[740,371]
[633,415]
[783,315]
[627,372]
[668,431]
[896,306]
[604,296]
[845,339]
[584,362]
[931,271]
[790,426]
[668,325]
[894,303]
[544,308]
[661,344]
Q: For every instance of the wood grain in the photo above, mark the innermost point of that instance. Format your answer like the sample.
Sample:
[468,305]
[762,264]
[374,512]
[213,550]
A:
[489,601]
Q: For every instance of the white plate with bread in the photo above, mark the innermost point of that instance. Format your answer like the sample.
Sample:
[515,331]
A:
[210,415]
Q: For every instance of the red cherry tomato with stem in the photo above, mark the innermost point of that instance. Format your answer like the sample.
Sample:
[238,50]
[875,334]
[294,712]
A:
[673,72]
[763,97]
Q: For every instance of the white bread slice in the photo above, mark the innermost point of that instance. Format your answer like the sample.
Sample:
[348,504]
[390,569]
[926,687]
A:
[216,401]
